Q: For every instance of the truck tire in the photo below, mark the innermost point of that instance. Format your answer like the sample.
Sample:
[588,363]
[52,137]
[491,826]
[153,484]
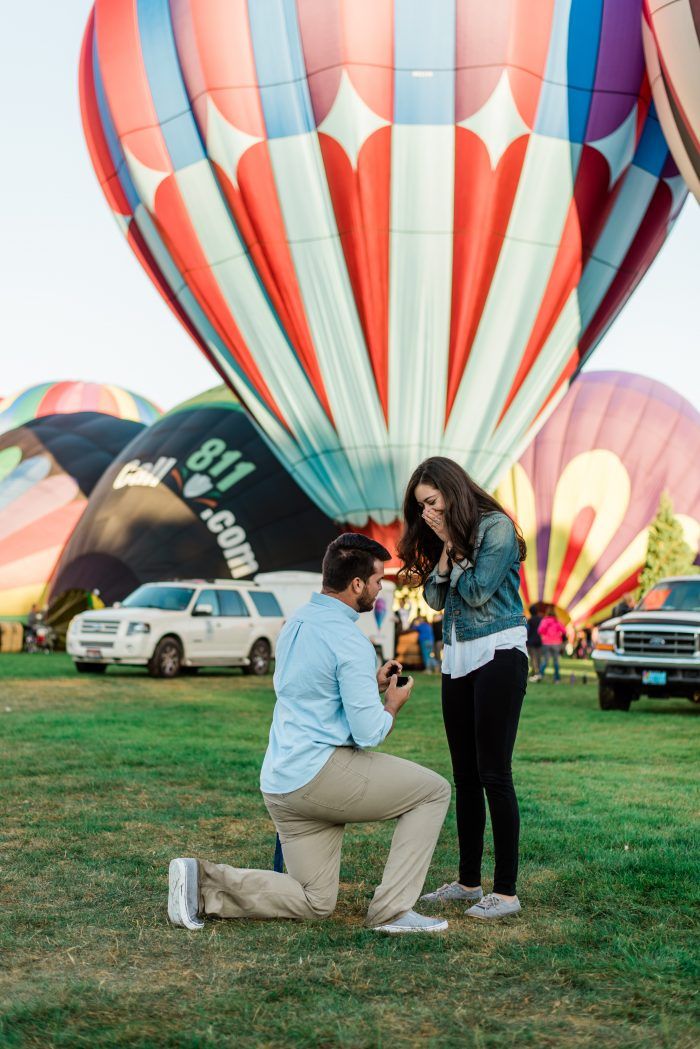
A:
[260,657]
[91,668]
[612,697]
[167,658]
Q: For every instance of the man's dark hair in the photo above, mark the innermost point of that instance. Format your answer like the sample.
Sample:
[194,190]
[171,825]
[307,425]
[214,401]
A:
[349,556]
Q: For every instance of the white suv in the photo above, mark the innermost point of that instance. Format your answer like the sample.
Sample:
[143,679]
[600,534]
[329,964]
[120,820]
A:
[169,627]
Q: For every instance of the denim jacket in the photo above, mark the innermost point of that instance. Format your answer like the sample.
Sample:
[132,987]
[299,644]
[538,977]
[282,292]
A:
[482,598]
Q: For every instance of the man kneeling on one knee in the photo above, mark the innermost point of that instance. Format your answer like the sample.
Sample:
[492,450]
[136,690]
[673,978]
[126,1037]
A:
[319,772]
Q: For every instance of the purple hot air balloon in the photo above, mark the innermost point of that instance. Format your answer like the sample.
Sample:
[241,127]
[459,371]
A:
[588,486]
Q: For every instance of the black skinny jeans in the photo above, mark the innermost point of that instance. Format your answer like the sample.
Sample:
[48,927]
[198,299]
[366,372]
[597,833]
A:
[481,713]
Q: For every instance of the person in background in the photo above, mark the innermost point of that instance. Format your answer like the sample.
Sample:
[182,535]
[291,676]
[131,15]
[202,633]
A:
[426,642]
[437,634]
[581,647]
[552,633]
[398,628]
[624,606]
[534,643]
[405,613]
[33,620]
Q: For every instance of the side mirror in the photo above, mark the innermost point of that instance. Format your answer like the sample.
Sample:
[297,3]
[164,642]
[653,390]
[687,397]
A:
[203,610]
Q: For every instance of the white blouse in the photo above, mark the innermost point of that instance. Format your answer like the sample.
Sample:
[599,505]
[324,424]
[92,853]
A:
[462,657]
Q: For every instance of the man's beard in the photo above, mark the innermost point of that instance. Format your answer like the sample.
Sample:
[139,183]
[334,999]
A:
[365,603]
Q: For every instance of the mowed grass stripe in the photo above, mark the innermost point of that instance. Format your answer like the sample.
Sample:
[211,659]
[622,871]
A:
[105,779]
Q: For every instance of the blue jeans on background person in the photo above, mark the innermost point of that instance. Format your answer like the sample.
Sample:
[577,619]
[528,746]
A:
[429,661]
[553,652]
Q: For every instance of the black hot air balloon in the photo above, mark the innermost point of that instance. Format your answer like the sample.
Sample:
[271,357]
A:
[197,495]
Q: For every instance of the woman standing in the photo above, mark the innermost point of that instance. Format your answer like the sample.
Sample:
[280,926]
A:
[466,552]
[552,634]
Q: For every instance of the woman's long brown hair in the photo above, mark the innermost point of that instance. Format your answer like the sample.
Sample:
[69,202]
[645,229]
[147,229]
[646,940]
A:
[465,504]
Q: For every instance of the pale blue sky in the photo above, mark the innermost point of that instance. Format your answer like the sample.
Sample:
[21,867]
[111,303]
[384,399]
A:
[75,303]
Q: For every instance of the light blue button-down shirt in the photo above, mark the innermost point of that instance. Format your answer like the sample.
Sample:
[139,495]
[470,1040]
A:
[327,695]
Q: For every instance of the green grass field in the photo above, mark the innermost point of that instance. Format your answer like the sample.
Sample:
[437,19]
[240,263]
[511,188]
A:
[105,779]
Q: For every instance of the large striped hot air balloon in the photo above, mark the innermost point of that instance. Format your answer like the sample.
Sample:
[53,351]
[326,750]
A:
[588,487]
[64,398]
[671,33]
[395,227]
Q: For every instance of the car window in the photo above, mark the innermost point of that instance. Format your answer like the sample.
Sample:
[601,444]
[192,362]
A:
[232,604]
[167,598]
[266,604]
[208,597]
[680,596]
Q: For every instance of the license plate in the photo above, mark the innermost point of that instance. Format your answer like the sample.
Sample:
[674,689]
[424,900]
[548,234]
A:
[653,677]
[94,653]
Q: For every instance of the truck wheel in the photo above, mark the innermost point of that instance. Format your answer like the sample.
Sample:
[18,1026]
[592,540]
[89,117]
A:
[91,668]
[167,658]
[260,656]
[613,698]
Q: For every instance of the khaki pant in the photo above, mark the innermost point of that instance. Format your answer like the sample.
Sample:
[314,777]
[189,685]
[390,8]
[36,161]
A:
[354,786]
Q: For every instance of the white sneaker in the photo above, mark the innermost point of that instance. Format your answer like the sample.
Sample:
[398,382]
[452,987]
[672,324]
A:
[412,922]
[183,894]
[494,906]
[453,891]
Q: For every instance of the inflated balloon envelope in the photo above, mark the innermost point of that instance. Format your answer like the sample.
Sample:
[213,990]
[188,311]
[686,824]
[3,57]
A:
[671,34]
[197,495]
[395,228]
[69,397]
[587,488]
[48,468]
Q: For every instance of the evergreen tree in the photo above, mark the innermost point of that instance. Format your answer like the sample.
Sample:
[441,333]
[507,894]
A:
[667,551]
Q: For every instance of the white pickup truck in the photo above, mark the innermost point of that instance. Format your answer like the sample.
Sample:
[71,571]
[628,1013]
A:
[653,650]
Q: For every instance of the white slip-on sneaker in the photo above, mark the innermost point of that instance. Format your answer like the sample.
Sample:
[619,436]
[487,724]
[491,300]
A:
[494,906]
[453,892]
[412,922]
[183,894]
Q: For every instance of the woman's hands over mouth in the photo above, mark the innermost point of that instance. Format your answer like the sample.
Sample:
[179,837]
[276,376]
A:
[435,519]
